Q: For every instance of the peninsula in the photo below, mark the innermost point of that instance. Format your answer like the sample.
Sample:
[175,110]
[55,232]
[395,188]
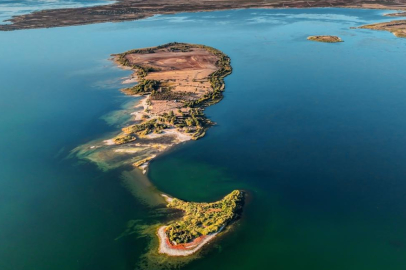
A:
[398,28]
[398,14]
[200,223]
[127,10]
[326,39]
[175,81]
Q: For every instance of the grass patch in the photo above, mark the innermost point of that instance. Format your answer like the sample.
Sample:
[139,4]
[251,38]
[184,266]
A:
[203,218]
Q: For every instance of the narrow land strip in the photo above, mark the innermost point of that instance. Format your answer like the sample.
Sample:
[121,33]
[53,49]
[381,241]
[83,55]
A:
[398,28]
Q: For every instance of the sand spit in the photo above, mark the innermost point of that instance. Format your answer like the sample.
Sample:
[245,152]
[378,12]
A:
[201,222]
[398,14]
[166,248]
[398,28]
[167,198]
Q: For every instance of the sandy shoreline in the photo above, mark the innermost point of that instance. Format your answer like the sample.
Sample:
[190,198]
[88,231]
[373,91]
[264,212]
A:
[168,249]
[209,220]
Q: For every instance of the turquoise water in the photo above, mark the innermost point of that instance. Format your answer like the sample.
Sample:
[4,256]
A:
[10,8]
[314,132]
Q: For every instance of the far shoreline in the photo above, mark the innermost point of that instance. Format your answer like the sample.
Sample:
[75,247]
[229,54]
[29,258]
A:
[125,10]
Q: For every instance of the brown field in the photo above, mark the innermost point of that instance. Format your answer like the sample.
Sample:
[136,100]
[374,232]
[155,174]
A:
[127,10]
[183,72]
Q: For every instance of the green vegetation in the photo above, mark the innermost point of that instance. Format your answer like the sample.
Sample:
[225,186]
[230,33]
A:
[122,139]
[181,48]
[216,80]
[142,129]
[194,121]
[142,71]
[153,125]
[177,47]
[143,87]
[165,93]
[203,218]
[141,51]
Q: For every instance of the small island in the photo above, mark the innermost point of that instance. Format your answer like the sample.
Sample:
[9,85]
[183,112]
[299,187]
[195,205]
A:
[200,223]
[398,28]
[327,39]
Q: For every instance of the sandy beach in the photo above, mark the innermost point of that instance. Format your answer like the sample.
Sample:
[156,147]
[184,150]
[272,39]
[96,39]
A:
[166,248]
[172,241]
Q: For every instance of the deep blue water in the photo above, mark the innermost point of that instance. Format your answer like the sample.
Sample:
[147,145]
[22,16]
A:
[314,132]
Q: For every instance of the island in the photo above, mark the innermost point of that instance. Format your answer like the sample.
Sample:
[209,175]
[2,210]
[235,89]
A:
[398,28]
[200,223]
[327,39]
[175,82]
[172,84]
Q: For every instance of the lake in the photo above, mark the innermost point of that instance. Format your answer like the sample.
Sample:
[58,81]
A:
[315,133]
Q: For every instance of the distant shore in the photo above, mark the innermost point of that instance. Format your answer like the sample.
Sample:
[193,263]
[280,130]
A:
[129,10]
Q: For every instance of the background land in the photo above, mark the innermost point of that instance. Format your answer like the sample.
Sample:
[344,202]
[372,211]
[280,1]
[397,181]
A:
[125,10]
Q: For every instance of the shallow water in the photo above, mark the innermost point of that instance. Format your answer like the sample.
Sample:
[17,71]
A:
[314,132]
